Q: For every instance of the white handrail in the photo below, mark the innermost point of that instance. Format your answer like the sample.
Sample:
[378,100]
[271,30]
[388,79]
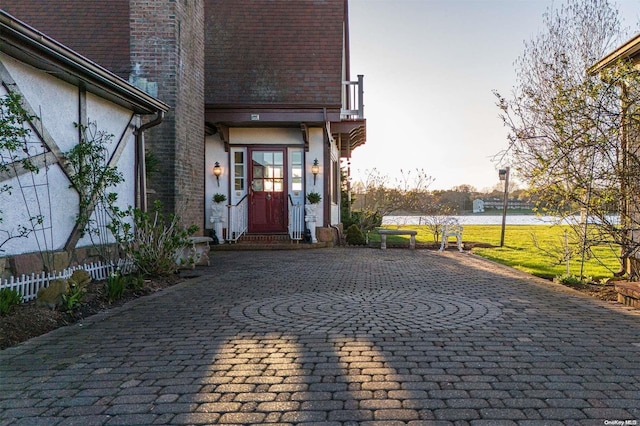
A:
[238,219]
[296,221]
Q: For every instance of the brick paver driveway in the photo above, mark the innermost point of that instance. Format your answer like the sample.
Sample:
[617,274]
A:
[337,336]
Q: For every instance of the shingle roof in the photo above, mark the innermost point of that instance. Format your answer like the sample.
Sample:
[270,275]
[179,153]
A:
[274,52]
[97,29]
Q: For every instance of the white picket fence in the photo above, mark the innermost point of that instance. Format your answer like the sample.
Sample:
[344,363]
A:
[28,285]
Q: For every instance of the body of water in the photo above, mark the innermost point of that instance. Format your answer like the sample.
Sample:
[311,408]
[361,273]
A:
[480,220]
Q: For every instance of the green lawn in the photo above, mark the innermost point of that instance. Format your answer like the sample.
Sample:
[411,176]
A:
[520,251]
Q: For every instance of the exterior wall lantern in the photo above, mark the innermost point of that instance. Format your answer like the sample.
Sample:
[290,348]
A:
[217,171]
[315,169]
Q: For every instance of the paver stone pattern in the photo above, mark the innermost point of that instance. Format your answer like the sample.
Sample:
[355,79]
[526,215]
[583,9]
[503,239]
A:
[337,336]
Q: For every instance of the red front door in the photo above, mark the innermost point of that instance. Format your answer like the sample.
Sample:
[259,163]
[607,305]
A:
[267,198]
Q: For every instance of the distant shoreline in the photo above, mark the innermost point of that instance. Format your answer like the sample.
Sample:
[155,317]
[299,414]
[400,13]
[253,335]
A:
[483,219]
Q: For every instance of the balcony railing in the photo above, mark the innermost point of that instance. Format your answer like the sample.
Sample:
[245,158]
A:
[352,99]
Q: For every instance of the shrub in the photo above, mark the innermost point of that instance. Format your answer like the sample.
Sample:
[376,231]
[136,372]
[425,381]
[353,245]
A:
[135,281]
[153,241]
[8,299]
[354,236]
[568,279]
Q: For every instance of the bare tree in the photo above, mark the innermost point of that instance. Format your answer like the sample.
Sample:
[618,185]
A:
[564,122]
[376,197]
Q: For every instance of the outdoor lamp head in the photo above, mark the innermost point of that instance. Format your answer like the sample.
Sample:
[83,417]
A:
[315,169]
[217,171]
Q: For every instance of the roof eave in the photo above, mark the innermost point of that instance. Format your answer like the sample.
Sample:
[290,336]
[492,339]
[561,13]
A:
[37,49]
[628,50]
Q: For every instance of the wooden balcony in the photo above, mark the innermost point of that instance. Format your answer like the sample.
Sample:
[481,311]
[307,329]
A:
[351,131]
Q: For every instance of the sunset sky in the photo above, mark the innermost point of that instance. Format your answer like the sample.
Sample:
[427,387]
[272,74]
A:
[430,68]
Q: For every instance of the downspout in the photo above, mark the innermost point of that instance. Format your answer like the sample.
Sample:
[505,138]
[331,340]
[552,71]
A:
[326,168]
[141,169]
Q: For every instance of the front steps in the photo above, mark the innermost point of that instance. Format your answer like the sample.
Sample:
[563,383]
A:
[267,242]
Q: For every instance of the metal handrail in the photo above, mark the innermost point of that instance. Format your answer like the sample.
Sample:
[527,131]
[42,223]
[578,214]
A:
[238,219]
[296,220]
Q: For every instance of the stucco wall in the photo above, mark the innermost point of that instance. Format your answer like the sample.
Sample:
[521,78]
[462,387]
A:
[48,193]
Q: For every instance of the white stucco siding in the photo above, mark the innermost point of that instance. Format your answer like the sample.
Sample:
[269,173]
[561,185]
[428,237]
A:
[32,144]
[266,136]
[108,118]
[46,194]
[316,151]
[214,152]
[50,99]
[125,189]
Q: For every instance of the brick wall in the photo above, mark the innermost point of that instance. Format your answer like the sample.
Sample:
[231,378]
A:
[167,49]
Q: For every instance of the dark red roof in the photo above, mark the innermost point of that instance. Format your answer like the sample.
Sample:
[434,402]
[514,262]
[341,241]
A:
[274,52]
[97,29]
[257,52]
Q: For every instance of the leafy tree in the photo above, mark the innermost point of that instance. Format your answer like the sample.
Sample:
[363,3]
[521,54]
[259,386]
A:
[564,122]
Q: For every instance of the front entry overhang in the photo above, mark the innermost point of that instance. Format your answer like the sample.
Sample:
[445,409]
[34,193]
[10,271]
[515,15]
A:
[350,133]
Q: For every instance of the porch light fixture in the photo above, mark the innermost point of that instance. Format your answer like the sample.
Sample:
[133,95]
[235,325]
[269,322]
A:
[315,169]
[217,171]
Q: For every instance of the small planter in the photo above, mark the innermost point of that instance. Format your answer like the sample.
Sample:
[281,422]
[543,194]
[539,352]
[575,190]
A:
[217,215]
[310,211]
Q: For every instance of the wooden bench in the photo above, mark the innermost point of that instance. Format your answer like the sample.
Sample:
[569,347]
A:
[451,229]
[384,232]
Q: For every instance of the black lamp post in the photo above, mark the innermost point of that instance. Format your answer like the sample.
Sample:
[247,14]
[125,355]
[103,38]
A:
[503,174]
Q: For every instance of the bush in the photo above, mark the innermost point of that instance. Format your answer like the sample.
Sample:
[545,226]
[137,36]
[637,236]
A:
[367,220]
[153,241]
[135,281]
[354,236]
[568,279]
[8,299]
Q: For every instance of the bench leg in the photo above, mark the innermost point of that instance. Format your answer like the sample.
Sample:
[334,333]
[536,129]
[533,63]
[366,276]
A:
[412,242]
[383,242]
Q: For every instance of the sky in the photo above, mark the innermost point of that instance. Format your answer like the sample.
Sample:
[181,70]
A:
[430,69]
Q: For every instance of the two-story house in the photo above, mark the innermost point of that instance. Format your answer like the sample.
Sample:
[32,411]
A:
[263,105]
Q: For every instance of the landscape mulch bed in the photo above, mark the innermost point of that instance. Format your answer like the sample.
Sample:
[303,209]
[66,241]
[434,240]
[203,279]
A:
[28,320]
